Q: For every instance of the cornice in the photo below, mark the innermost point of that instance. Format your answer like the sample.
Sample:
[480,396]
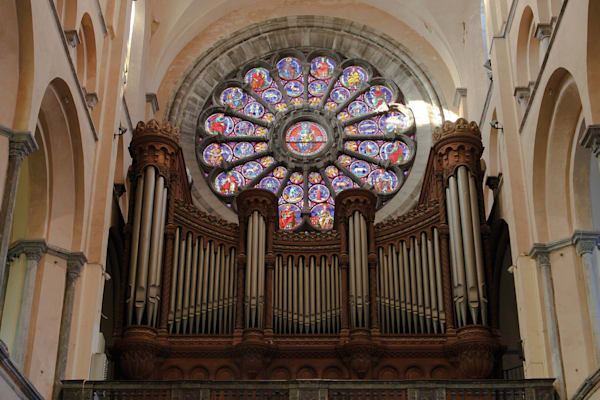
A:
[579,237]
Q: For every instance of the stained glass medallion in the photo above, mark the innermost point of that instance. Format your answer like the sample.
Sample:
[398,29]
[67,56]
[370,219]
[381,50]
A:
[306,126]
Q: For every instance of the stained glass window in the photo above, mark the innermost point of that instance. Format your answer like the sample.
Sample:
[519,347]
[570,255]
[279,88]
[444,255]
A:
[306,126]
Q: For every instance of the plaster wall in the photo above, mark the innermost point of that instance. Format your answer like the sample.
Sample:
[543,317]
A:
[45,325]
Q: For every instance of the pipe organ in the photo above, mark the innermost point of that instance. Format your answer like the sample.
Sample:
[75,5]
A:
[202,297]
[307,295]
[410,286]
[403,298]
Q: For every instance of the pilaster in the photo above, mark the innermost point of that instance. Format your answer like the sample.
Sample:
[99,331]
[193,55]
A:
[585,243]
[541,254]
[34,250]
[75,262]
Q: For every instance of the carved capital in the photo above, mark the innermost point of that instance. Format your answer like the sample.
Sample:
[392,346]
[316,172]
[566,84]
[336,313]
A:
[32,248]
[591,139]
[541,254]
[21,145]
[543,31]
[585,241]
[75,262]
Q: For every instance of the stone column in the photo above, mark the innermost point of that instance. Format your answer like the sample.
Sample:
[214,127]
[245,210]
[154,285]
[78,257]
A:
[542,256]
[21,144]
[33,250]
[75,263]
[585,243]
[591,140]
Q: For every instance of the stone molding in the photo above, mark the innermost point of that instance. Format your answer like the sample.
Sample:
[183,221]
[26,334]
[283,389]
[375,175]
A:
[459,96]
[32,246]
[152,99]
[21,145]
[541,251]
[591,139]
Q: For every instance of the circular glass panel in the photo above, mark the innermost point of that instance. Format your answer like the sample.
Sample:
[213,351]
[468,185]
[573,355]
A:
[306,130]
[306,138]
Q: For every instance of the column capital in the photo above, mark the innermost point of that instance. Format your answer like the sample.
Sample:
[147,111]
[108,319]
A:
[75,262]
[541,254]
[21,145]
[543,31]
[32,248]
[585,241]
[591,139]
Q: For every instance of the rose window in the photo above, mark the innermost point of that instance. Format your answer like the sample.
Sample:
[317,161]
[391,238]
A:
[306,126]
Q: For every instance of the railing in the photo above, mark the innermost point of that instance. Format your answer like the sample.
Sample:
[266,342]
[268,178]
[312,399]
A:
[530,389]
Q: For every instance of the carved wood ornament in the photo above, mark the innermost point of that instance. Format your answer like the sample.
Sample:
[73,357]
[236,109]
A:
[371,353]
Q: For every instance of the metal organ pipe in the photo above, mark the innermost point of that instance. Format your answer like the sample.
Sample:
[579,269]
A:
[469,248]
[438,273]
[478,247]
[466,248]
[144,247]
[457,253]
[426,282]
[152,291]
[135,240]
[161,242]
[410,283]
[171,315]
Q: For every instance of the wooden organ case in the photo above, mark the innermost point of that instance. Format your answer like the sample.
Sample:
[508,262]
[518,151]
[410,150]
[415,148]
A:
[402,299]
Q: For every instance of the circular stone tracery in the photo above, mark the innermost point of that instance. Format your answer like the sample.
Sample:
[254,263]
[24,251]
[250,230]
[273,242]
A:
[306,126]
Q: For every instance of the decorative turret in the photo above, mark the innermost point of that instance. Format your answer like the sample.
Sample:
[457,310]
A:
[458,151]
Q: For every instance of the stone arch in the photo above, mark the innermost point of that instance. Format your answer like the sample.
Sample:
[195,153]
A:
[62,137]
[560,113]
[86,54]
[135,59]
[67,12]
[593,58]
[22,48]
[525,63]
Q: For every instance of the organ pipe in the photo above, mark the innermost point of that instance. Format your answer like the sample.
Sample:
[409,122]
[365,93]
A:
[146,250]
[135,240]
[468,242]
[438,273]
[410,283]
[457,252]
[466,248]
[202,298]
[144,247]
[171,316]
[158,272]
[478,247]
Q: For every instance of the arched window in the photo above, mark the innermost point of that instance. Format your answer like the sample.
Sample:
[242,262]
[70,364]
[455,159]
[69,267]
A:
[306,125]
